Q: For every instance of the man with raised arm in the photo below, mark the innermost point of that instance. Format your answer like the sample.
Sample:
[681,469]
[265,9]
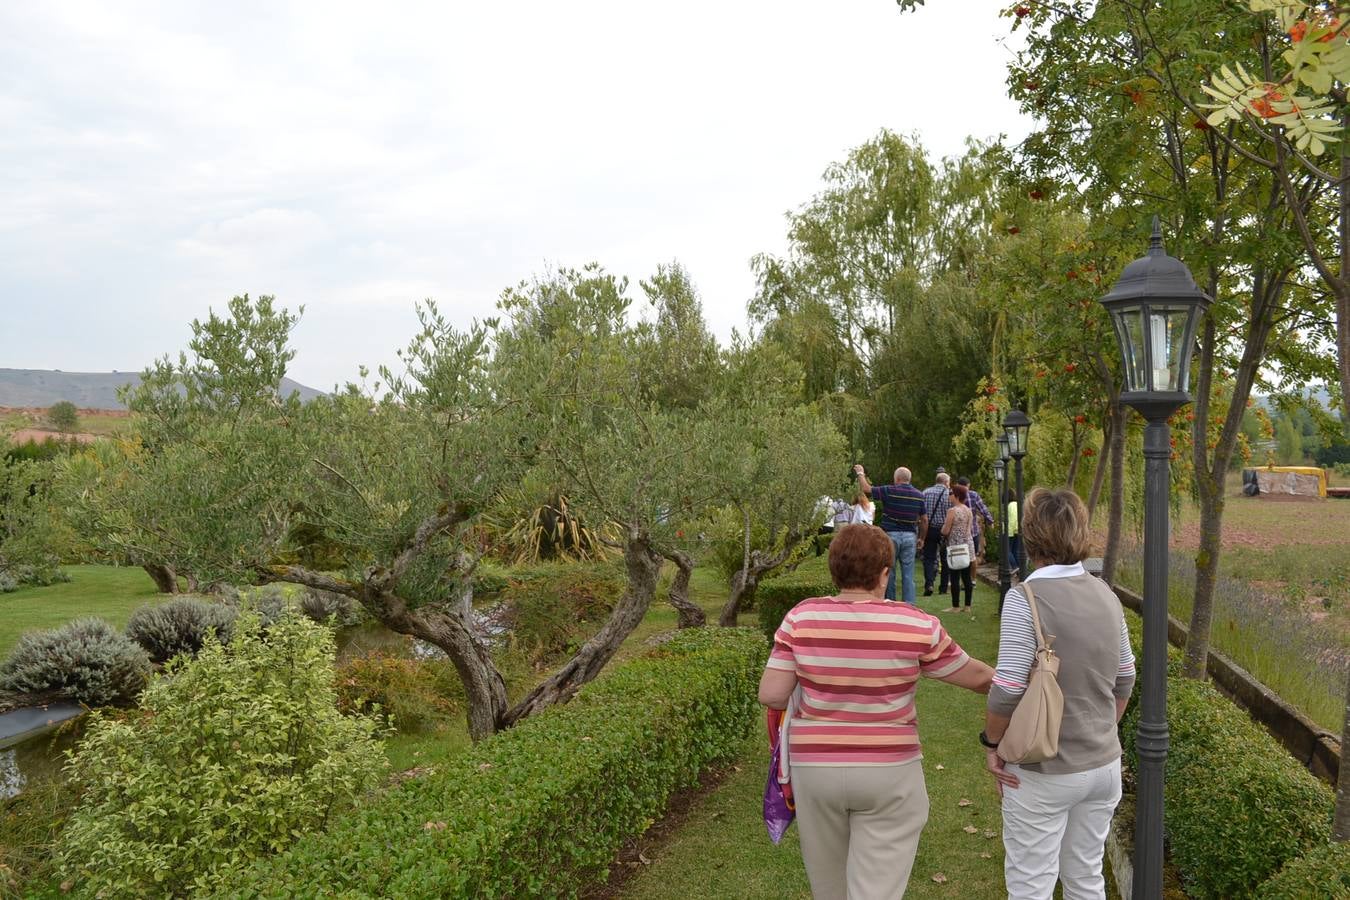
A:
[903,520]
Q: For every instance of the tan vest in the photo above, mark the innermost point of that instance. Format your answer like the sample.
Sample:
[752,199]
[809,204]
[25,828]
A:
[1085,617]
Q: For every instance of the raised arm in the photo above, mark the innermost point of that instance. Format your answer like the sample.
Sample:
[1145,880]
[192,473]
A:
[863,484]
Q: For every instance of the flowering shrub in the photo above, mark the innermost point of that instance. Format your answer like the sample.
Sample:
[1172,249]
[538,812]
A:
[235,754]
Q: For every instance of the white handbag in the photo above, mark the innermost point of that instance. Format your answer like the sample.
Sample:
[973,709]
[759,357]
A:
[958,556]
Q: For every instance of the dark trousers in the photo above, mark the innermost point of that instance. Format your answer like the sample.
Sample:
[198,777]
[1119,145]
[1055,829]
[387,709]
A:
[962,578]
[934,559]
[1014,551]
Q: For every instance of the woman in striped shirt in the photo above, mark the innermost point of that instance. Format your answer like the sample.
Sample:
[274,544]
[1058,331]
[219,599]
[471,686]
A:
[853,742]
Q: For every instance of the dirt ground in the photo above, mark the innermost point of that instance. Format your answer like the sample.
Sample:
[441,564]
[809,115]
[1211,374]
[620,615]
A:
[1271,521]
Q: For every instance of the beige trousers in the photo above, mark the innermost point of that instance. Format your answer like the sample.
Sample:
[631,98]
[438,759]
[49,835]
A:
[859,828]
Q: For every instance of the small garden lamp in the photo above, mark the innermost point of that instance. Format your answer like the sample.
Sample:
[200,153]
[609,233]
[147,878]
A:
[1003,454]
[1016,428]
[1154,306]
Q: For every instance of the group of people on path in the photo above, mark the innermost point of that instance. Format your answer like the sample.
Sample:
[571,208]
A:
[931,522]
[845,668]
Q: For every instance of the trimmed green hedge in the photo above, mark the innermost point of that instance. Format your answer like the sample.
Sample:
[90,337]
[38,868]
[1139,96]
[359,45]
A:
[778,595]
[1320,874]
[541,809]
[1239,807]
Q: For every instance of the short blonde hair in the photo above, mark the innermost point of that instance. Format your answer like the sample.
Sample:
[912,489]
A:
[1055,527]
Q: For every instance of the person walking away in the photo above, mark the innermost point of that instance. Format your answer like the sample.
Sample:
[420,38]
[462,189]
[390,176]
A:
[936,500]
[863,510]
[903,521]
[1014,533]
[853,662]
[1056,813]
[958,530]
[984,521]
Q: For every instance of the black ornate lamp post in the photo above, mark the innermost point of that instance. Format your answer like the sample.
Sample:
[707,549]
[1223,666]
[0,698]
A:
[1154,307]
[1004,573]
[1017,429]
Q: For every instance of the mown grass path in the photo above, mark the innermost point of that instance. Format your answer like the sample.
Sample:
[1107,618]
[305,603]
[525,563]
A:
[722,849]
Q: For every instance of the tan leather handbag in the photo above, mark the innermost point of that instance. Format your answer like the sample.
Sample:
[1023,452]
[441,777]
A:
[1033,733]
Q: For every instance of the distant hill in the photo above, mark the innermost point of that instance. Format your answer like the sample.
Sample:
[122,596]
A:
[87,390]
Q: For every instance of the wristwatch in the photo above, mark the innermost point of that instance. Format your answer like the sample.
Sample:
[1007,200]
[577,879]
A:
[984,739]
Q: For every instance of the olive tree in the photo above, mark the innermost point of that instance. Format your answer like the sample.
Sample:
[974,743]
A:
[395,475]
[777,460]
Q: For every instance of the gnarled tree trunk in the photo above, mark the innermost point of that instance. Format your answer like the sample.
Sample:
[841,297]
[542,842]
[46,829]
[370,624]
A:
[746,580]
[644,566]
[690,614]
[446,628]
[164,577]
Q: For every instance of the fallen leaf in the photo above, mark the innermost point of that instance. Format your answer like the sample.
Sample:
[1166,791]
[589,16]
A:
[963,802]
[642,858]
[434,826]
[990,835]
[483,767]
[939,878]
[941,767]
[986,856]
[970,829]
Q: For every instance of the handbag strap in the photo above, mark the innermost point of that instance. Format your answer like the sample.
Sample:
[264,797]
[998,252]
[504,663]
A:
[1041,642]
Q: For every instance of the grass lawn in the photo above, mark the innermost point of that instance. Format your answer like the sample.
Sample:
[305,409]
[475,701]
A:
[109,592]
[722,849]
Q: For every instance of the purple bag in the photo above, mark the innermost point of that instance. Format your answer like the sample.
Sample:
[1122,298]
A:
[779,808]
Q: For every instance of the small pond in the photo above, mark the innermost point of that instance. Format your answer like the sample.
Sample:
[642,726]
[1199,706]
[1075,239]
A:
[34,744]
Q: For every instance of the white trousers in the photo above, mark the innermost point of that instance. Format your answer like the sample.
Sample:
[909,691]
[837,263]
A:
[1054,828]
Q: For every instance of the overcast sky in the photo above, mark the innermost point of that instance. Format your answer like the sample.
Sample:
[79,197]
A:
[158,158]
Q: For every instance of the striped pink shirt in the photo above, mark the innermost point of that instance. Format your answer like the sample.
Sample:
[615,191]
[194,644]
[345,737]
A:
[858,664]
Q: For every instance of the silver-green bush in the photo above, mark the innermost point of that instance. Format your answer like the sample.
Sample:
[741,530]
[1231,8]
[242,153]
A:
[236,753]
[87,661]
[179,626]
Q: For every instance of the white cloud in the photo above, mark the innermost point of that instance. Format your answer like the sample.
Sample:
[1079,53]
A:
[160,157]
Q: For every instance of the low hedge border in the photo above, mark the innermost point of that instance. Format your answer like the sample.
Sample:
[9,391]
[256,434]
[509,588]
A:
[541,809]
[1320,874]
[1239,807]
[776,596]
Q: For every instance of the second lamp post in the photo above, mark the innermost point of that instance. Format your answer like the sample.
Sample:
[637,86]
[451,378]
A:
[1017,428]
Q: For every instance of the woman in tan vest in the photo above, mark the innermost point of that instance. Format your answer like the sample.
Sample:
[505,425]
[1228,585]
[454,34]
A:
[1056,813]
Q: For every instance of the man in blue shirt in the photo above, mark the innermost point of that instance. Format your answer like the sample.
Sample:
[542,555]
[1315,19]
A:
[903,520]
